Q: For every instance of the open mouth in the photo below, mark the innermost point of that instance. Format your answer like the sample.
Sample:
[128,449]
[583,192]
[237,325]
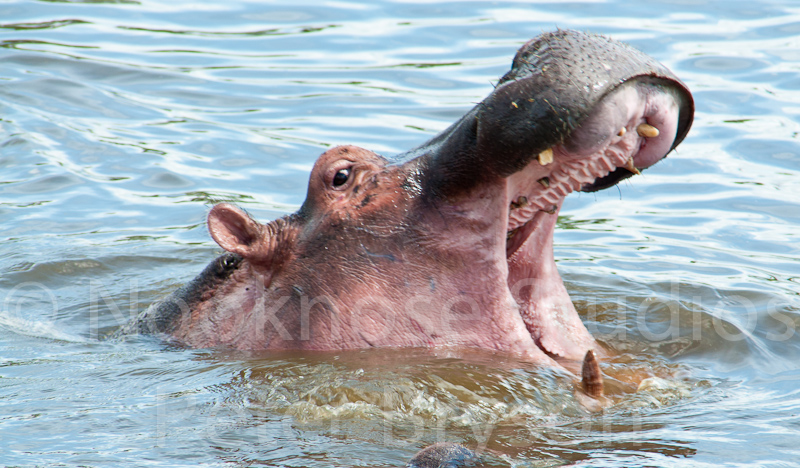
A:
[632,128]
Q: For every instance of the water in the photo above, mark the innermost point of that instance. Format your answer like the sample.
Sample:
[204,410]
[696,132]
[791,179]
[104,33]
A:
[122,122]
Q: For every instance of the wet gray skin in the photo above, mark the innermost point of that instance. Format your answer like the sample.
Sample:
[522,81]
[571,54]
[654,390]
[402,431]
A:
[443,455]
[449,244]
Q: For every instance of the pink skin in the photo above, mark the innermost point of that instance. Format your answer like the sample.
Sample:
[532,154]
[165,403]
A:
[449,244]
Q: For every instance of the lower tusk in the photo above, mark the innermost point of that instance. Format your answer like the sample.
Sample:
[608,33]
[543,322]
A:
[631,167]
[647,131]
[546,157]
[591,377]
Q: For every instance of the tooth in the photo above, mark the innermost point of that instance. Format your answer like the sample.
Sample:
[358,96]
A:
[622,132]
[647,131]
[591,376]
[546,157]
[551,210]
[631,167]
[521,201]
[545,182]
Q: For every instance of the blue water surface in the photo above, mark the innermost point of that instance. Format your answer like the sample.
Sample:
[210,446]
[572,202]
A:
[122,122]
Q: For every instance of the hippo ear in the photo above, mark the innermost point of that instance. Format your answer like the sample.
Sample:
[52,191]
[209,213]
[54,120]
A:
[235,231]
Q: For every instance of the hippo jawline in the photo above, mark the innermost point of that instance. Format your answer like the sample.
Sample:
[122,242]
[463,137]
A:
[494,180]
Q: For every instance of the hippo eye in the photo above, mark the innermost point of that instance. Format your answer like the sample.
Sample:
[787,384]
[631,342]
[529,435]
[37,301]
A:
[341,176]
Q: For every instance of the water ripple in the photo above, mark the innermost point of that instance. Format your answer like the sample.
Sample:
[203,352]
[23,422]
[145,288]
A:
[122,121]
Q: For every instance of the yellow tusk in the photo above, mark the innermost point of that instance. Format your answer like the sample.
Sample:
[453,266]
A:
[546,157]
[521,201]
[631,167]
[647,131]
[545,181]
[591,376]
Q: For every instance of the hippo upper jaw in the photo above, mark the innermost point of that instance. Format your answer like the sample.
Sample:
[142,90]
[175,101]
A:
[628,131]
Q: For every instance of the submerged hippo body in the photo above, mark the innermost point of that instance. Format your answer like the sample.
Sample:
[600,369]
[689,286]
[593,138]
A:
[449,244]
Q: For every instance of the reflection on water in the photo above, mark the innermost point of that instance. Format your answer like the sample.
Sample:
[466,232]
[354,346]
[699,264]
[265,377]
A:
[122,121]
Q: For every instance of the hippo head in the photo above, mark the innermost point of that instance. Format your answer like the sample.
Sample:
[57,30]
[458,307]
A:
[449,244]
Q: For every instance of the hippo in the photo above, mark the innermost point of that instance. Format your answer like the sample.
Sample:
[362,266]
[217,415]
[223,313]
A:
[449,244]
[443,455]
